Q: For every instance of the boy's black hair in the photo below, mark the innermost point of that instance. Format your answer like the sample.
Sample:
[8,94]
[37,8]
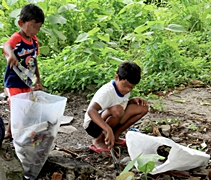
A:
[129,71]
[32,12]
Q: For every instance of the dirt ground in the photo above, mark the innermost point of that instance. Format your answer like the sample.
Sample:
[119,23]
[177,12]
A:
[186,114]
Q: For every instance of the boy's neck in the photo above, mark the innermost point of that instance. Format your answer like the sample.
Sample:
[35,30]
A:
[116,89]
[23,34]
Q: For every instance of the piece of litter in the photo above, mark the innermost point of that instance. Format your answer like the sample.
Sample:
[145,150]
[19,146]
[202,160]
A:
[66,120]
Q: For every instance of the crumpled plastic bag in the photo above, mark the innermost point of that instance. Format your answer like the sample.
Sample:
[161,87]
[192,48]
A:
[35,120]
[179,158]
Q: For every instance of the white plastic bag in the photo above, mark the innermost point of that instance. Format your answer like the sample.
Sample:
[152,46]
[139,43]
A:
[179,158]
[35,119]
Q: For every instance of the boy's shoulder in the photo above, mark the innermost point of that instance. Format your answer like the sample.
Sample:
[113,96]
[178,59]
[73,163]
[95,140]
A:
[17,35]
[106,88]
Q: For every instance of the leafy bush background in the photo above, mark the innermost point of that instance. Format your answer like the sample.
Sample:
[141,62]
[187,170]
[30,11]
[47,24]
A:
[82,42]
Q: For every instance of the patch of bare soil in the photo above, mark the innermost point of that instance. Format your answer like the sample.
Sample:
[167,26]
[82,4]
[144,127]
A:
[183,116]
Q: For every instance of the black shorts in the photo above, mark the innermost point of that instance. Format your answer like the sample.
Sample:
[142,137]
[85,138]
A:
[93,129]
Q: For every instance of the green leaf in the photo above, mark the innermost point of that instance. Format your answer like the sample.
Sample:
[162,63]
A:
[59,34]
[56,19]
[93,31]
[44,50]
[94,6]
[4,4]
[67,7]
[102,18]
[175,28]
[179,101]
[46,30]
[146,163]
[1,25]
[127,1]
[108,50]
[11,2]
[82,37]
[115,25]
[205,104]
[99,45]
[141,28]
[139,14]
[128,6]
[130,165]
[157,26]
[113,44]
[15,13]
[103,37]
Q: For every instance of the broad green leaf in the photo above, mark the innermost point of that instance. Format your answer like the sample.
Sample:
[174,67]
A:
[126,176]
[141,28]
[11,2]
[139,14]
[149,8]
[104,37]
[173,44]
[128,6]
[108,50]
[1,12]
[99,44]
[93,31]
[146,163]
[157,26]
[44,50]
[35,1]
[113,44]
[4,4]
[46,30]
[59,34]
[115,25]
[127,1]
[131,164]
[129,36]
[82,37]
[109,31]
[146,168]
[57,18]
[1,25]
[175,28]
[102,18]
[94,6]
[15,13]
[67,7]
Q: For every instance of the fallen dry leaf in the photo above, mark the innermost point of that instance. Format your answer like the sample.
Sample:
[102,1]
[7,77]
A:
[56,176]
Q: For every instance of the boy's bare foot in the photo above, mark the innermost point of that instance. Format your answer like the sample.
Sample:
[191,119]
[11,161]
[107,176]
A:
[98,144]
[120,142]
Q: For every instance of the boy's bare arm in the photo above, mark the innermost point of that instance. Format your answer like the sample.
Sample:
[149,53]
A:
[94,115]
[38,84]
[11,58]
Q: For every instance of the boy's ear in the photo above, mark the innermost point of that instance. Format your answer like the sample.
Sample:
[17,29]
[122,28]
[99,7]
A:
[20,22]
[116,77]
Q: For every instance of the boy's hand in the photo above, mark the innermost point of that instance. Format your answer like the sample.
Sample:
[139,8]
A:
[109,138]
[12,60]
[38,86]
[139,101]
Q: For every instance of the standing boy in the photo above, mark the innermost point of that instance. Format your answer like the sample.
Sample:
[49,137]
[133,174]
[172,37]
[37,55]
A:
[21,50]
[111,111]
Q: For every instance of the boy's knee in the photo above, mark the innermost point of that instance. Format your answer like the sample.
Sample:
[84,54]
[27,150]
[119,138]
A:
[145,109]
[117,111]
